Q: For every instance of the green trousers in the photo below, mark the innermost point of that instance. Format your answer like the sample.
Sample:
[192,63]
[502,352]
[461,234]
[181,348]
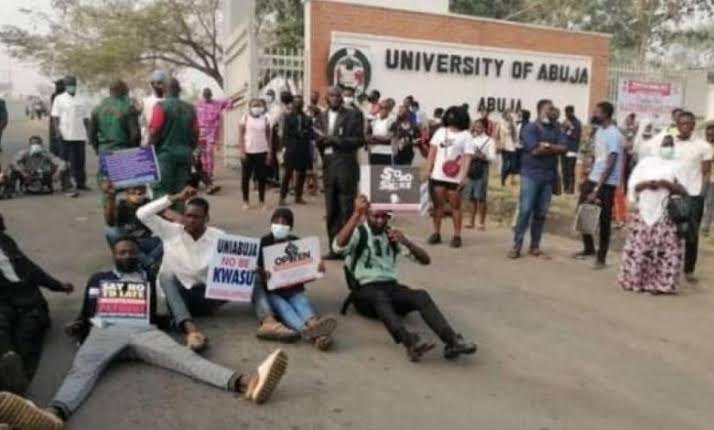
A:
[175,173]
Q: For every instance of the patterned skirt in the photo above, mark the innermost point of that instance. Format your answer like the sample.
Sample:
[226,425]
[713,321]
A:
[652,257]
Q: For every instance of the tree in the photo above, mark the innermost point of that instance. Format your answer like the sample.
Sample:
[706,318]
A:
[489,9]
[280,23]
[101,40]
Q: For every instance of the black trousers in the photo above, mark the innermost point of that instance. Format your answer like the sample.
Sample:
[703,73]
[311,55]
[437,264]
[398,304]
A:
[299,182]
[341,177]
[606,195]
[568,168]
[390,301]
[22,329]
[380,159]
[73,152]
[691,245]
[254,164]
[508,165]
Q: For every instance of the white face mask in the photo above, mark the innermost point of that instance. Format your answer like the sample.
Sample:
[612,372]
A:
[666,152]
[35,149]
[280,231]
[256,111]
[349,100]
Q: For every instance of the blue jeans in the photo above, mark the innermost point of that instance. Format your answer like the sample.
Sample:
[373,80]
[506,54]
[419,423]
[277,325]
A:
[533,203]
[294,310]
[150,249]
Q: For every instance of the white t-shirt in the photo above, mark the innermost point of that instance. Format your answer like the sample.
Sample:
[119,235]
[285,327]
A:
[382,128]
[256,139]
[72,112]
[691,153]
[486,146]
[450,145]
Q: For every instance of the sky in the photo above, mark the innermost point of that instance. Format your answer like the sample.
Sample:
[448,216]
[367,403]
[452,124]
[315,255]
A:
[24,76]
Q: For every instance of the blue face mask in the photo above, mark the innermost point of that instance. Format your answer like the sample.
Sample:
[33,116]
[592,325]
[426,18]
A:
[280,231]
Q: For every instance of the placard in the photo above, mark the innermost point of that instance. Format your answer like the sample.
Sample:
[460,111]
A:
[231,271]
[130,167]
[391,188]
[648,99]
[123,302]
[293,262]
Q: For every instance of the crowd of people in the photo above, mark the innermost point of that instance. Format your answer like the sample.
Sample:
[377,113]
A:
[159,235]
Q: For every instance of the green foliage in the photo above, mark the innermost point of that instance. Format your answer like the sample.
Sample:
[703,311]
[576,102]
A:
[282,21]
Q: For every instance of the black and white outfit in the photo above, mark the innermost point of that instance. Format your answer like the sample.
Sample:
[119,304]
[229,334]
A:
[476,188]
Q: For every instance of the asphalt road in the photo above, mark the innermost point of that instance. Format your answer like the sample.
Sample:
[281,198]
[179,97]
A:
[560,346]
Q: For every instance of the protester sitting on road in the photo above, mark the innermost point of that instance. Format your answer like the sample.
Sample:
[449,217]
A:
[449,158]
[653,252]
[188,247]
[291,304]
[476,189]
[371,248]
[134,336]
[34,170]
[24,314]
[121,221]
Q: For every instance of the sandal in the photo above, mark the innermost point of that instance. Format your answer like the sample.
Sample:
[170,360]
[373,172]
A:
[196,341]
[274,330]
[213,189]
[321,327]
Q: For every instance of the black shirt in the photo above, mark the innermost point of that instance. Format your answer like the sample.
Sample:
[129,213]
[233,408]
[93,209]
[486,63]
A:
[127,220]
[269,240]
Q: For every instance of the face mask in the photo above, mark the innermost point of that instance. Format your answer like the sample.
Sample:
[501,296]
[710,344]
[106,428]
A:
[35,149]
[256,111]
[280,231]
[666,152]
[349,100]
[545,120]
[270,99]
[72,90]
[130,265]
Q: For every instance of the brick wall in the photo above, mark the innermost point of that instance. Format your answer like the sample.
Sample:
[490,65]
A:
[326,17]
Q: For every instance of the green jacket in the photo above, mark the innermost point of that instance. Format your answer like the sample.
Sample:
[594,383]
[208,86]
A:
[114,125]
[179,133]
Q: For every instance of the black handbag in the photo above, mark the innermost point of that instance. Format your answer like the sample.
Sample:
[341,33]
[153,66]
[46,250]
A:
[679,211]
[478,167]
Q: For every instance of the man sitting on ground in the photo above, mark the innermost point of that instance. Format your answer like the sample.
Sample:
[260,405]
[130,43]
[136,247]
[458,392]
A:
[188,247]
[371,249]
[120,218]
[132,334]
[24,314]
[35,169]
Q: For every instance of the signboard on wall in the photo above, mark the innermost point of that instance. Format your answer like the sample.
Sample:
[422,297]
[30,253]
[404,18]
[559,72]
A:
[442,74]
[654,100]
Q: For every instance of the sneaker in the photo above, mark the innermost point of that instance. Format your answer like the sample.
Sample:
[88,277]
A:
[455,242]
[418,347]
[273,330]
[23,414]
[323,343]
[12,373]
[73,194]
[434,239]
[321,327]
[514,254]
[458,347]
[267,377]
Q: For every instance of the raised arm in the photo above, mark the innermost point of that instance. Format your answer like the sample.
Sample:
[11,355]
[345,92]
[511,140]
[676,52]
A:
[343,237]
[149,214]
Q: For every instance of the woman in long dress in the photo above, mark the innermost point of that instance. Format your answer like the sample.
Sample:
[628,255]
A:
[653,253]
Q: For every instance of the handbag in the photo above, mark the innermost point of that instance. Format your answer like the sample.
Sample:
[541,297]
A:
[450,168]
[478,167]
[679,211]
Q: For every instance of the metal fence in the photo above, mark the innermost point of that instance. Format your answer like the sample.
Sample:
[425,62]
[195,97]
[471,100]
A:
[281,69]
[640,72]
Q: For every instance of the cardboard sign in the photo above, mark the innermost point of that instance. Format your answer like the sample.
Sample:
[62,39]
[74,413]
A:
[293,262]
[130,167]
[391,188]
[124,302]
[231,272]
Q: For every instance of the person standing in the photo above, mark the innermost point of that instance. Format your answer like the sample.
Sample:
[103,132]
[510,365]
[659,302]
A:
[72,123]
[209,112]
[379,136]
[506,137]
[3,119]
[604,178]
[709,201]
[254,137]
[174,134]
[114,124]
[297,140]
[341,136]
[543,143]
[24,313]
[449,158]
[406,137]
[476,189]
[572,128]
[55,141]
[695,156]
[158,87]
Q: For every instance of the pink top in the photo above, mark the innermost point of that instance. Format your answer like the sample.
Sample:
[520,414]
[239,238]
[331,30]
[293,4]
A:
[256,139]
[209,117]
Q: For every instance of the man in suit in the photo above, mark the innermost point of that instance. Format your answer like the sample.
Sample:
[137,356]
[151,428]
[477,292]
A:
[341,136]
[3,119]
